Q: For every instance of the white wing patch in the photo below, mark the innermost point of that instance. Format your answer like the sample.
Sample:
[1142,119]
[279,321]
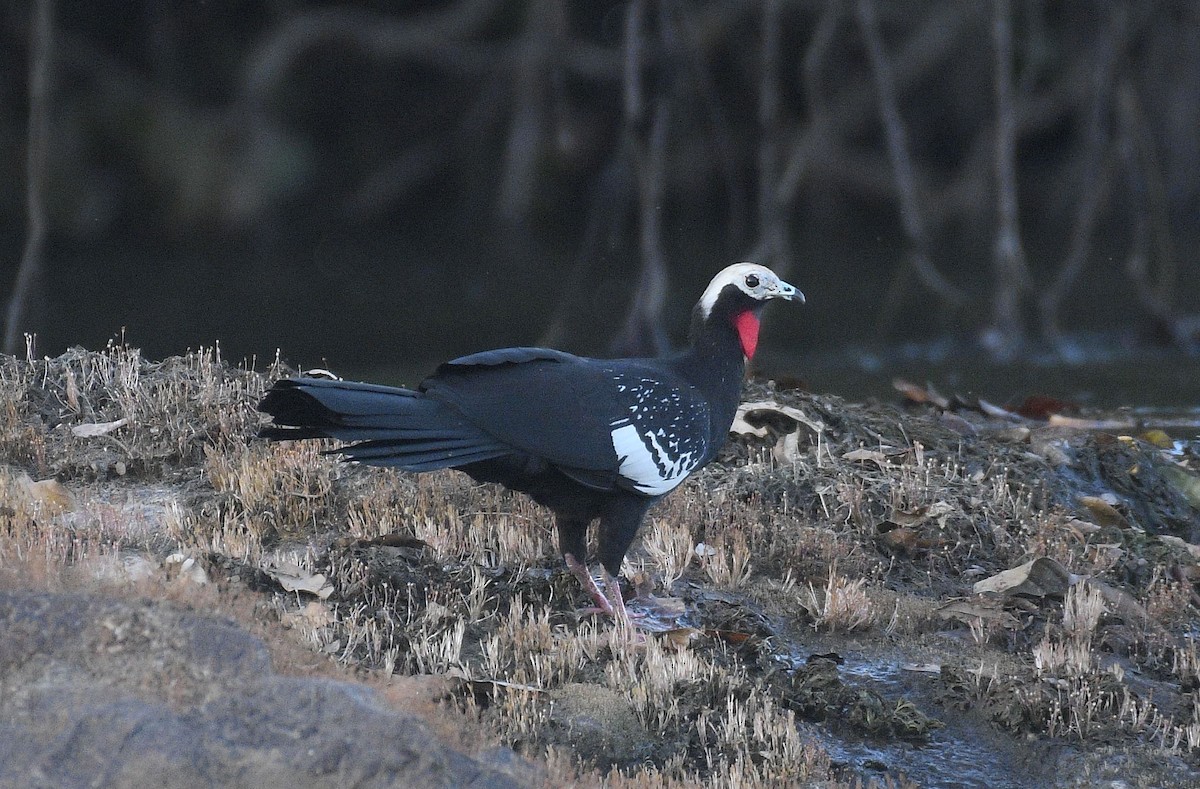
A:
[663,437]
[646,464]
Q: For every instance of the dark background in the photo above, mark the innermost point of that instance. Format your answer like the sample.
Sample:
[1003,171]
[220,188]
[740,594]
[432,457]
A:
[996,194]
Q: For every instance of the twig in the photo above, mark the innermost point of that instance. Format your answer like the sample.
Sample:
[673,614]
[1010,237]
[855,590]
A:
[607,221]
[1094,187]
[641,333]
[434,36]
[544,22]
[724,138]
[772,245]
[41,57]
[814,57]
[1140,163]
[941,34]
[1011,273]
[900,157]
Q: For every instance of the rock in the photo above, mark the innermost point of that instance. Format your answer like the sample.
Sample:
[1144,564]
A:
[102,692]
[598,724]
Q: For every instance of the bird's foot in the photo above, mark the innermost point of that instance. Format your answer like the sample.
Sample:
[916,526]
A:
[580,571]
[607,595]
[647,613]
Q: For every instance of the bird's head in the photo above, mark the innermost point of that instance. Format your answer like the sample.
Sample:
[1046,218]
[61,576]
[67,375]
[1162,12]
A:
[737,295]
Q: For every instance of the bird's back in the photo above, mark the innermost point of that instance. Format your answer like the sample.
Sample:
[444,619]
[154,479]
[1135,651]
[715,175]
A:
[635,424]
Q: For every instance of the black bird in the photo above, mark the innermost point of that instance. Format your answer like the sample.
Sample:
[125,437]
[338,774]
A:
[587,438]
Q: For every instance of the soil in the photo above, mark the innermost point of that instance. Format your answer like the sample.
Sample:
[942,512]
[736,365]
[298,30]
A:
[812,614]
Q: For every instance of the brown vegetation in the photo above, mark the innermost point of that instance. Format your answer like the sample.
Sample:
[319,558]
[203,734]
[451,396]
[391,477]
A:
[807,555]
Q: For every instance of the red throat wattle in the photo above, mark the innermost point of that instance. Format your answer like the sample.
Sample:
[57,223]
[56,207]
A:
[746,324]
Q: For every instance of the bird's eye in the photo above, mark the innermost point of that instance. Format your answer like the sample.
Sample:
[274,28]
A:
[752,281]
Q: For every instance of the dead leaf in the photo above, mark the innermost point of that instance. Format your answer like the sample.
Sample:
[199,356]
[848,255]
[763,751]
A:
[911,517]
[1053,444]
[1044,406]
[93,429]
[318,372]
[681,637]
[48,495]
[1120,602]
[1081,528]
[920,394]
[658,614]
[970,612]
[867,456]
[1177,542]
[184,566]
[752,419]
[914,517]
[72,391]
[1038,578]
[735,637]
[1158,438]
[1186,483]
[1018,434]
[643,585]
[741,427]
[952,421]
[940,509]
[900,539]
[294,578]
[314,615]
[997,412]
[787,448]
[1090,424]
[756,412]
[1104,512]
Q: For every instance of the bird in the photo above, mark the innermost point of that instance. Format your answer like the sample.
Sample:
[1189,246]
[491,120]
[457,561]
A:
[586,438]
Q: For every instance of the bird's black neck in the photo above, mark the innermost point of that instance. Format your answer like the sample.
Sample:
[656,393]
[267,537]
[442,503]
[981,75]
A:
[713,363]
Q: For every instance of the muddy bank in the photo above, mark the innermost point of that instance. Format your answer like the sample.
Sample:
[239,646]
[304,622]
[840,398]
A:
[851,593]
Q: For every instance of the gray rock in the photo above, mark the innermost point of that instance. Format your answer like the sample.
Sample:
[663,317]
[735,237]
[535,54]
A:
[98,692]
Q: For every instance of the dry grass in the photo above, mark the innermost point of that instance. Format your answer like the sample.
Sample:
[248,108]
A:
[436,577]
[841,605]
[668,545]
[162,414]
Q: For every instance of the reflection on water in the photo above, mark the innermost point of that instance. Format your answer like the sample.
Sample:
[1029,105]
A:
[1100,374]
[966,753]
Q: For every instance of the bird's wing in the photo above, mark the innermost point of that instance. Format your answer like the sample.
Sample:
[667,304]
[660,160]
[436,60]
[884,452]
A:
[619,423]
[507,356]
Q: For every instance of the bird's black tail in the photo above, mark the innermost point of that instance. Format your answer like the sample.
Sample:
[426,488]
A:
[387,426]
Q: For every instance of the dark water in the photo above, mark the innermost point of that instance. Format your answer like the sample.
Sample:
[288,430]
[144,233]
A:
[966,753]
[390,307]
[1104,374]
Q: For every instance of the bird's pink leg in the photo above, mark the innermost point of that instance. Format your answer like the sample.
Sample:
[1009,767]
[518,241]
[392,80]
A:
[580,571]
[612,592]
